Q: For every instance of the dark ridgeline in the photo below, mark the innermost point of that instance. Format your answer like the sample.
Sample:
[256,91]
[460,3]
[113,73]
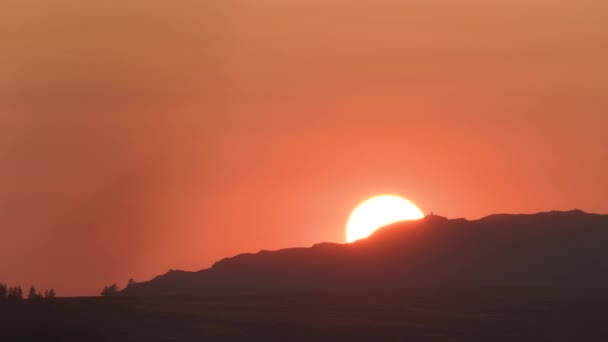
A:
[558,249]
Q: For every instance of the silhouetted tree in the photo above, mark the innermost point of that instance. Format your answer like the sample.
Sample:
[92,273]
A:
[32,294]
[110,290]
[131,282]
[15,294]
[49,294]
[3,293]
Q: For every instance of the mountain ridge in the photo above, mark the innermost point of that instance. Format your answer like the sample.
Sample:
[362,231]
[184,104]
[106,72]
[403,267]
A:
[556,248]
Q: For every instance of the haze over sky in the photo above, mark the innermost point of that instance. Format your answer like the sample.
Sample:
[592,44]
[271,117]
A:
[139,136]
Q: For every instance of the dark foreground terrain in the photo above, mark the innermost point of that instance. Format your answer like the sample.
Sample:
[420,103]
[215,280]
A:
[482,315]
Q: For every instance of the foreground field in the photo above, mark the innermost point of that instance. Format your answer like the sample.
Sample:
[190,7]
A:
[487,315]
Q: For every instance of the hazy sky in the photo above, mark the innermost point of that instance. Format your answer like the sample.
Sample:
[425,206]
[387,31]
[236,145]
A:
[139,136]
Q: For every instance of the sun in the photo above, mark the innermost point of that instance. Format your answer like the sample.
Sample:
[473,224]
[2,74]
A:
[377,212]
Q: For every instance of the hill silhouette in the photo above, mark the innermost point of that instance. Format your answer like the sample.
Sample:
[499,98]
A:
[557,249]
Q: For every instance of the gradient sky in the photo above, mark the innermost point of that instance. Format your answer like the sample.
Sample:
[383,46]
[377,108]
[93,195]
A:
[140,136]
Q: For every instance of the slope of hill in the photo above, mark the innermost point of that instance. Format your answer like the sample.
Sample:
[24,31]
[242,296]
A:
[559,249]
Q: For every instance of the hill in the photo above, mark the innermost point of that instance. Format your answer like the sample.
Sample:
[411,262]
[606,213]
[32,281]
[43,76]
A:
[555,249]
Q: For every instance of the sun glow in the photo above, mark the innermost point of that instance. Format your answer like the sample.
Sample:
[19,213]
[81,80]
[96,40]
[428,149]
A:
[377,212]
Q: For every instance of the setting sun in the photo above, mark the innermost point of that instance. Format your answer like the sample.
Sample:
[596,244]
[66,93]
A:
[377,212]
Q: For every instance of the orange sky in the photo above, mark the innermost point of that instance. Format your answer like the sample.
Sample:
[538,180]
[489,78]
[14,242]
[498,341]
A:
[139,136]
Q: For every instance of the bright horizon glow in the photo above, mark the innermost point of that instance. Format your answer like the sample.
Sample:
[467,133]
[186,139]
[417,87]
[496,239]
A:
[377,212]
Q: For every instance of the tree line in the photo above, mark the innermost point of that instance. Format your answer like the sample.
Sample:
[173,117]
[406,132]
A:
[15,294]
